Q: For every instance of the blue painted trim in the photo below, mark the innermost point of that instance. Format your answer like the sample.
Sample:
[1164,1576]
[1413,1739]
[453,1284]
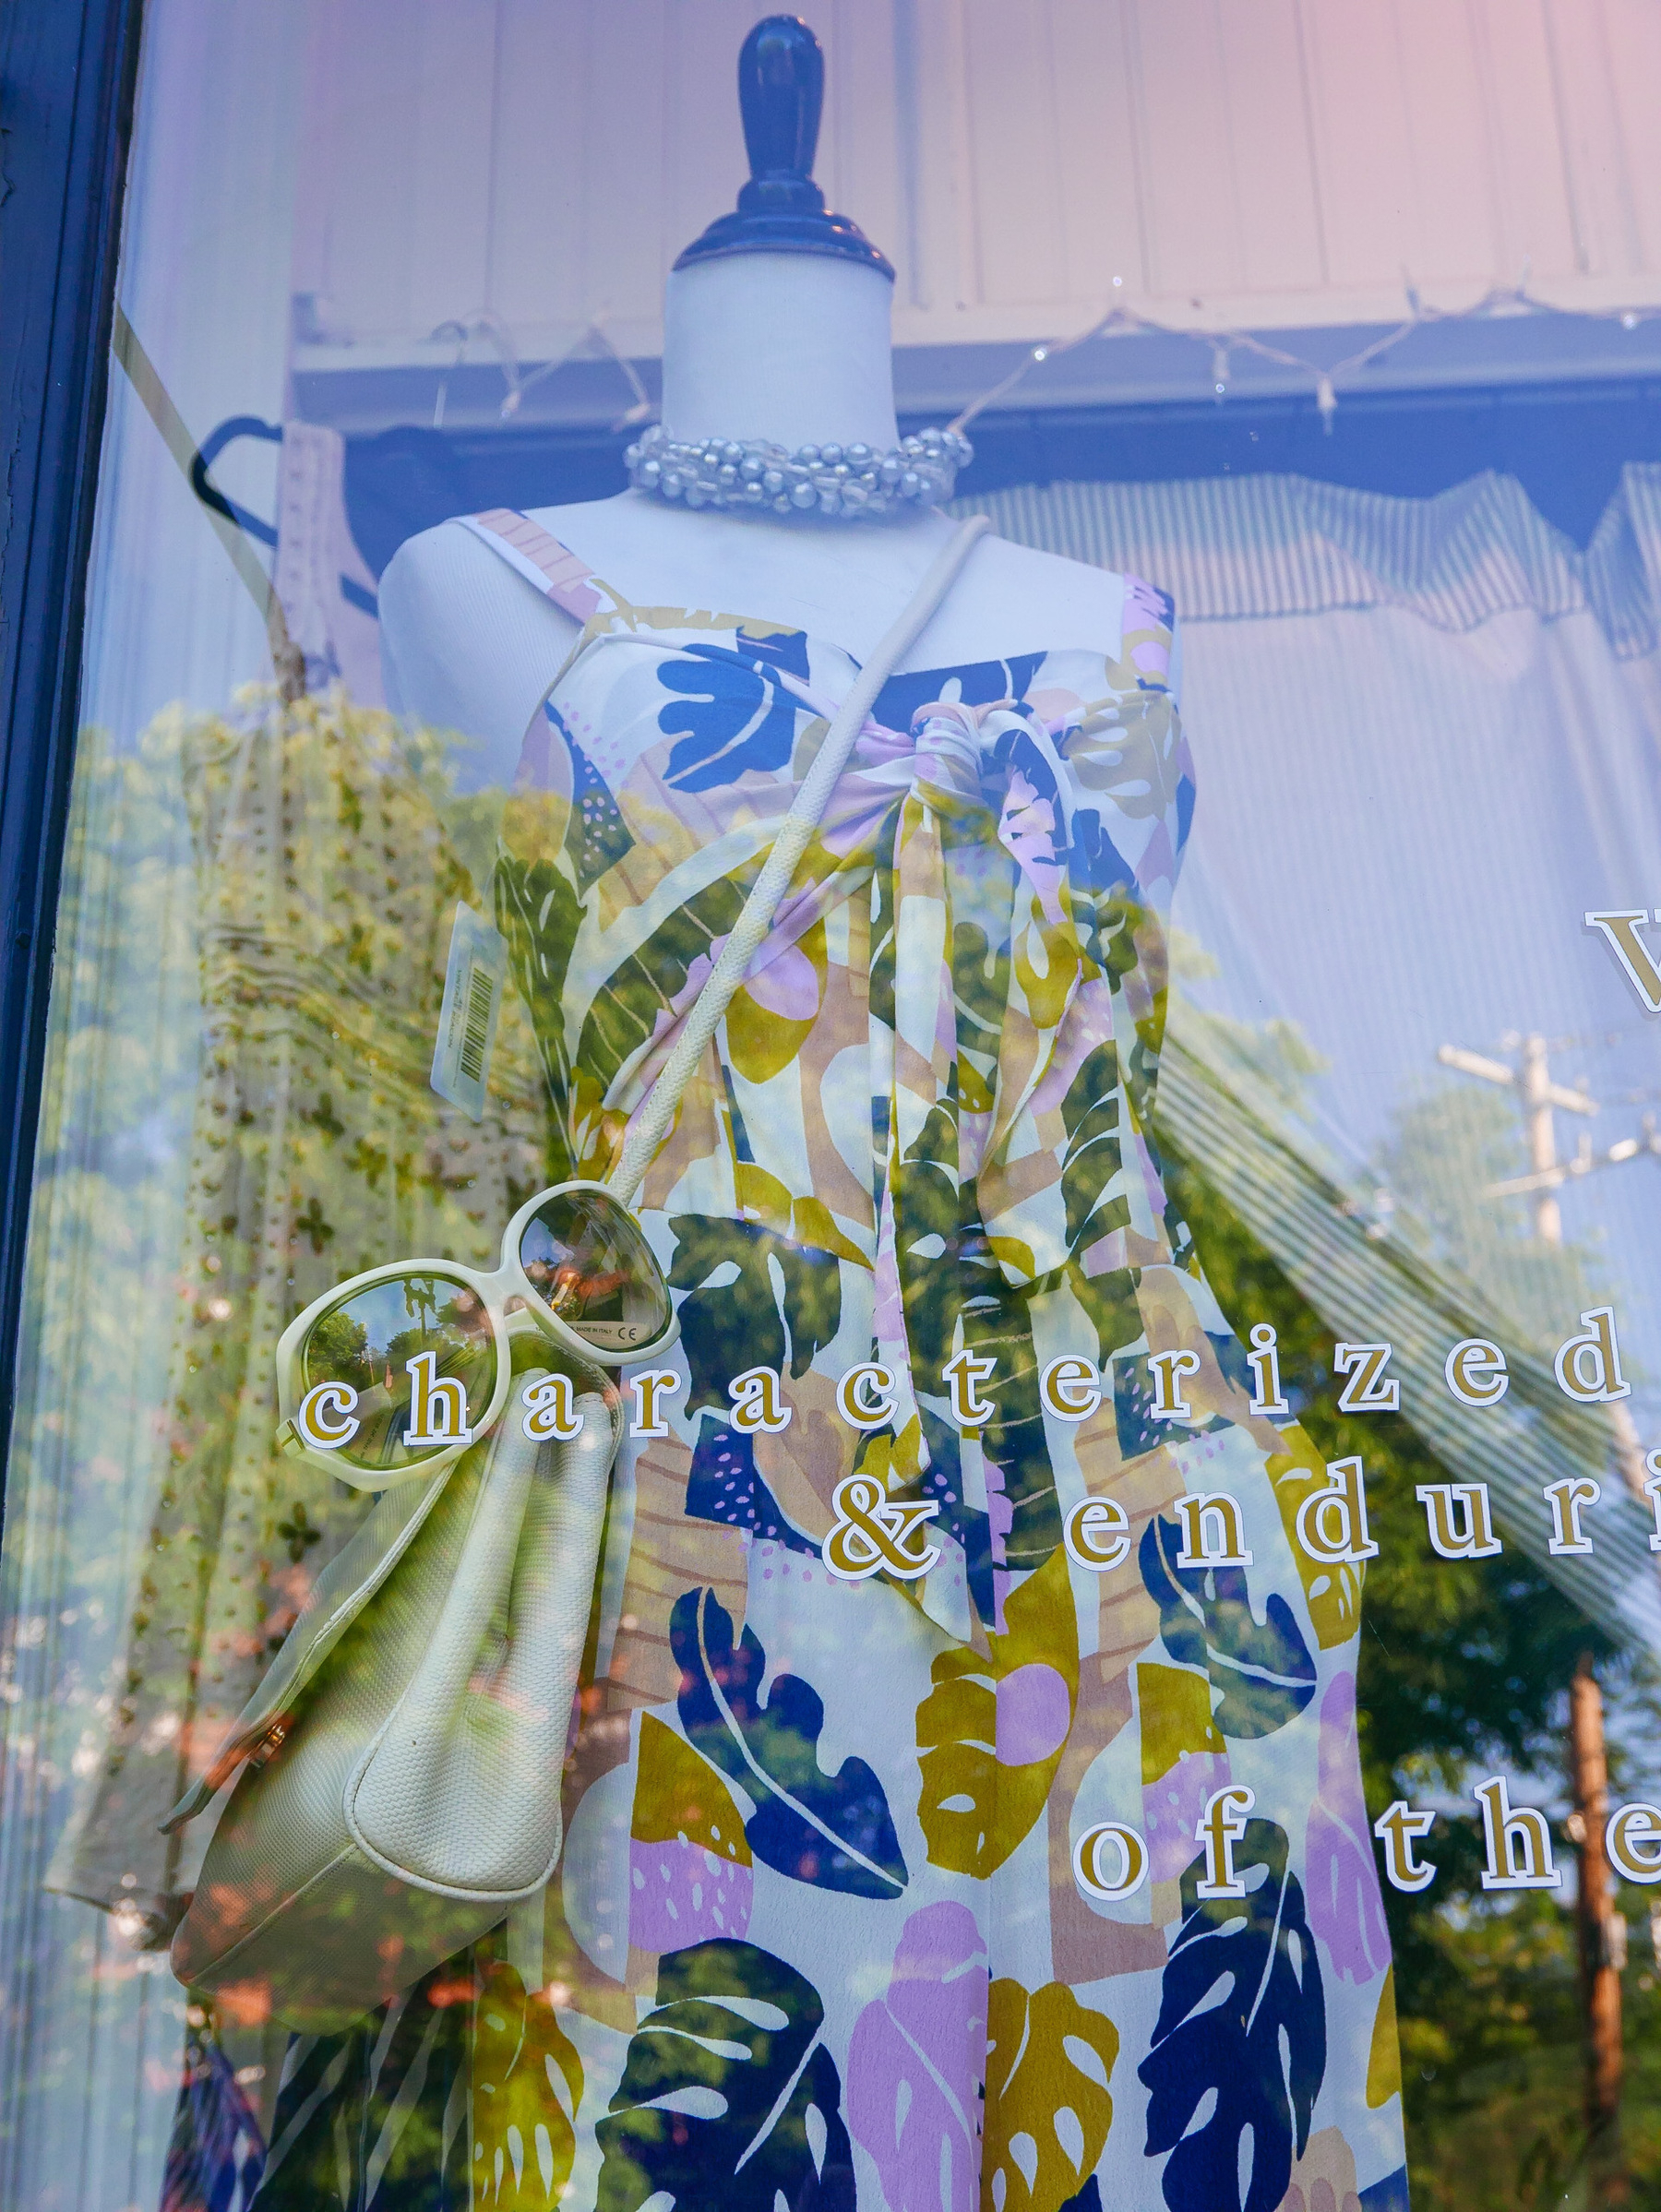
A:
[67,70]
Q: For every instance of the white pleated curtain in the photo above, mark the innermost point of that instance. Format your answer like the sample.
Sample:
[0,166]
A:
[1427,735]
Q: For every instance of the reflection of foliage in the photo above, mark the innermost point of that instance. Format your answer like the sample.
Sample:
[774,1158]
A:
[338,1347]
[298,1533]
[255,918]
[1444,1152]
[1462,1670]
[99,1314]
[360,2117]
[250,948]
[1463,1666]
[1273,1056]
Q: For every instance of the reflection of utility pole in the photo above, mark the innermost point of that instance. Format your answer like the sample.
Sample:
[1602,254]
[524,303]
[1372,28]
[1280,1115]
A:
[1600,1929]
[1538,1095]
[1602,1933]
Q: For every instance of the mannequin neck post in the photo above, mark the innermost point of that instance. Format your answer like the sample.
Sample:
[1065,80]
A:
[793,348]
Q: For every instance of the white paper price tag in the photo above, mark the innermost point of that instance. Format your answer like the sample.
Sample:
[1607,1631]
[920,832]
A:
[467,1021]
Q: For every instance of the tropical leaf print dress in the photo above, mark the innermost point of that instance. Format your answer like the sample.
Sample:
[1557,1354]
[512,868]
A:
[818,1940]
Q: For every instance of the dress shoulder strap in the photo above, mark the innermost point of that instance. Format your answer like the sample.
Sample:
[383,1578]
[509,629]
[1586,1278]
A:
[541,560]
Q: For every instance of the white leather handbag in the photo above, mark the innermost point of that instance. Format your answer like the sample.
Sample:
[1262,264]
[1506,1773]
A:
[408,1743]
[400,1764]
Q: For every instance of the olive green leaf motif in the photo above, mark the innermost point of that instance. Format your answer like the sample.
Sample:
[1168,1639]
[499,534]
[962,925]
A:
[990,1733]
[527,2084]
[1049,2059]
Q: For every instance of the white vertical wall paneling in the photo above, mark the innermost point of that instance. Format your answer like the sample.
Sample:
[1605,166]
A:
[1272,169]
[1534,219]
[1363,144]
[1096,151]
[1457,191]
[539,155]
[365,153]
[1286,161]
[446,201]
[1631,30]
[947,277]
[1189,183]
[1140,281]
[1599,159]
[1014,159]
[863,129]
[618,210]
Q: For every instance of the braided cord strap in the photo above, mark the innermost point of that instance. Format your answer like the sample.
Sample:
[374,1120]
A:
[651,1125]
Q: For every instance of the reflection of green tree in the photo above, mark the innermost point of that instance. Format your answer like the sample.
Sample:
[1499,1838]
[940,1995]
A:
[340,1347]
[1444,1153]
[1461,1669]
[1274,1056]
[450,1343]
[250,948]
[99,1319]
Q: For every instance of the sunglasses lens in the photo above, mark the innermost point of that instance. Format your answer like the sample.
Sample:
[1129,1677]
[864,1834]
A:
[587,1262]
[414,1355]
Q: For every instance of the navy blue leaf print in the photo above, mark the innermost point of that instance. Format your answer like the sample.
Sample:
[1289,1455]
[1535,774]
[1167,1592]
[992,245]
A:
[740,1319]
[1388,2196]
[834,1831]
[1133,1400]
[730,2100]
[725,1485]
[734,717]
[1017,752]
[1094,862]
[982,683]
[1231,1359]
[1262,1668]
[1185,809]
[598,837]
[1242,2030]
[215,2156]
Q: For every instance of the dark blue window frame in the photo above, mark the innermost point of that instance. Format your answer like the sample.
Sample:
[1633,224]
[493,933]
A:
[67,73]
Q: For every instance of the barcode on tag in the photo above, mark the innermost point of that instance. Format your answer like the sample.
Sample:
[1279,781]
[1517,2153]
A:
[467,1021]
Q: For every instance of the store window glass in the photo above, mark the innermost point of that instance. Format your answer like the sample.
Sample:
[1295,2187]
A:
[842,1375]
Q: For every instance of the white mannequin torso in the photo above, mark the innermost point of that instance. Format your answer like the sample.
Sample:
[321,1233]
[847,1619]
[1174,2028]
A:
[786,347]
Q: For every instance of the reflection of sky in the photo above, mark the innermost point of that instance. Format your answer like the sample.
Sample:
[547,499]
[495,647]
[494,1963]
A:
[1399,831]
[386,1311]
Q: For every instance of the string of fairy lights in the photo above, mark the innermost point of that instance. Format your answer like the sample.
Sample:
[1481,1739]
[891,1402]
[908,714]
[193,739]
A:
[1327,378]
[1329,381]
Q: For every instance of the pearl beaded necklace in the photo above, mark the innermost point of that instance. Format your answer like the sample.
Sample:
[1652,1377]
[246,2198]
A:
[751,476]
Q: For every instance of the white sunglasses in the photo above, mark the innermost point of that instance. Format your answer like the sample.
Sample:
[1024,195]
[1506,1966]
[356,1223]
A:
[394,1373]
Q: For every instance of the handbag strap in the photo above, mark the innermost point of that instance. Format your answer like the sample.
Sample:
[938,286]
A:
[650,1127]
